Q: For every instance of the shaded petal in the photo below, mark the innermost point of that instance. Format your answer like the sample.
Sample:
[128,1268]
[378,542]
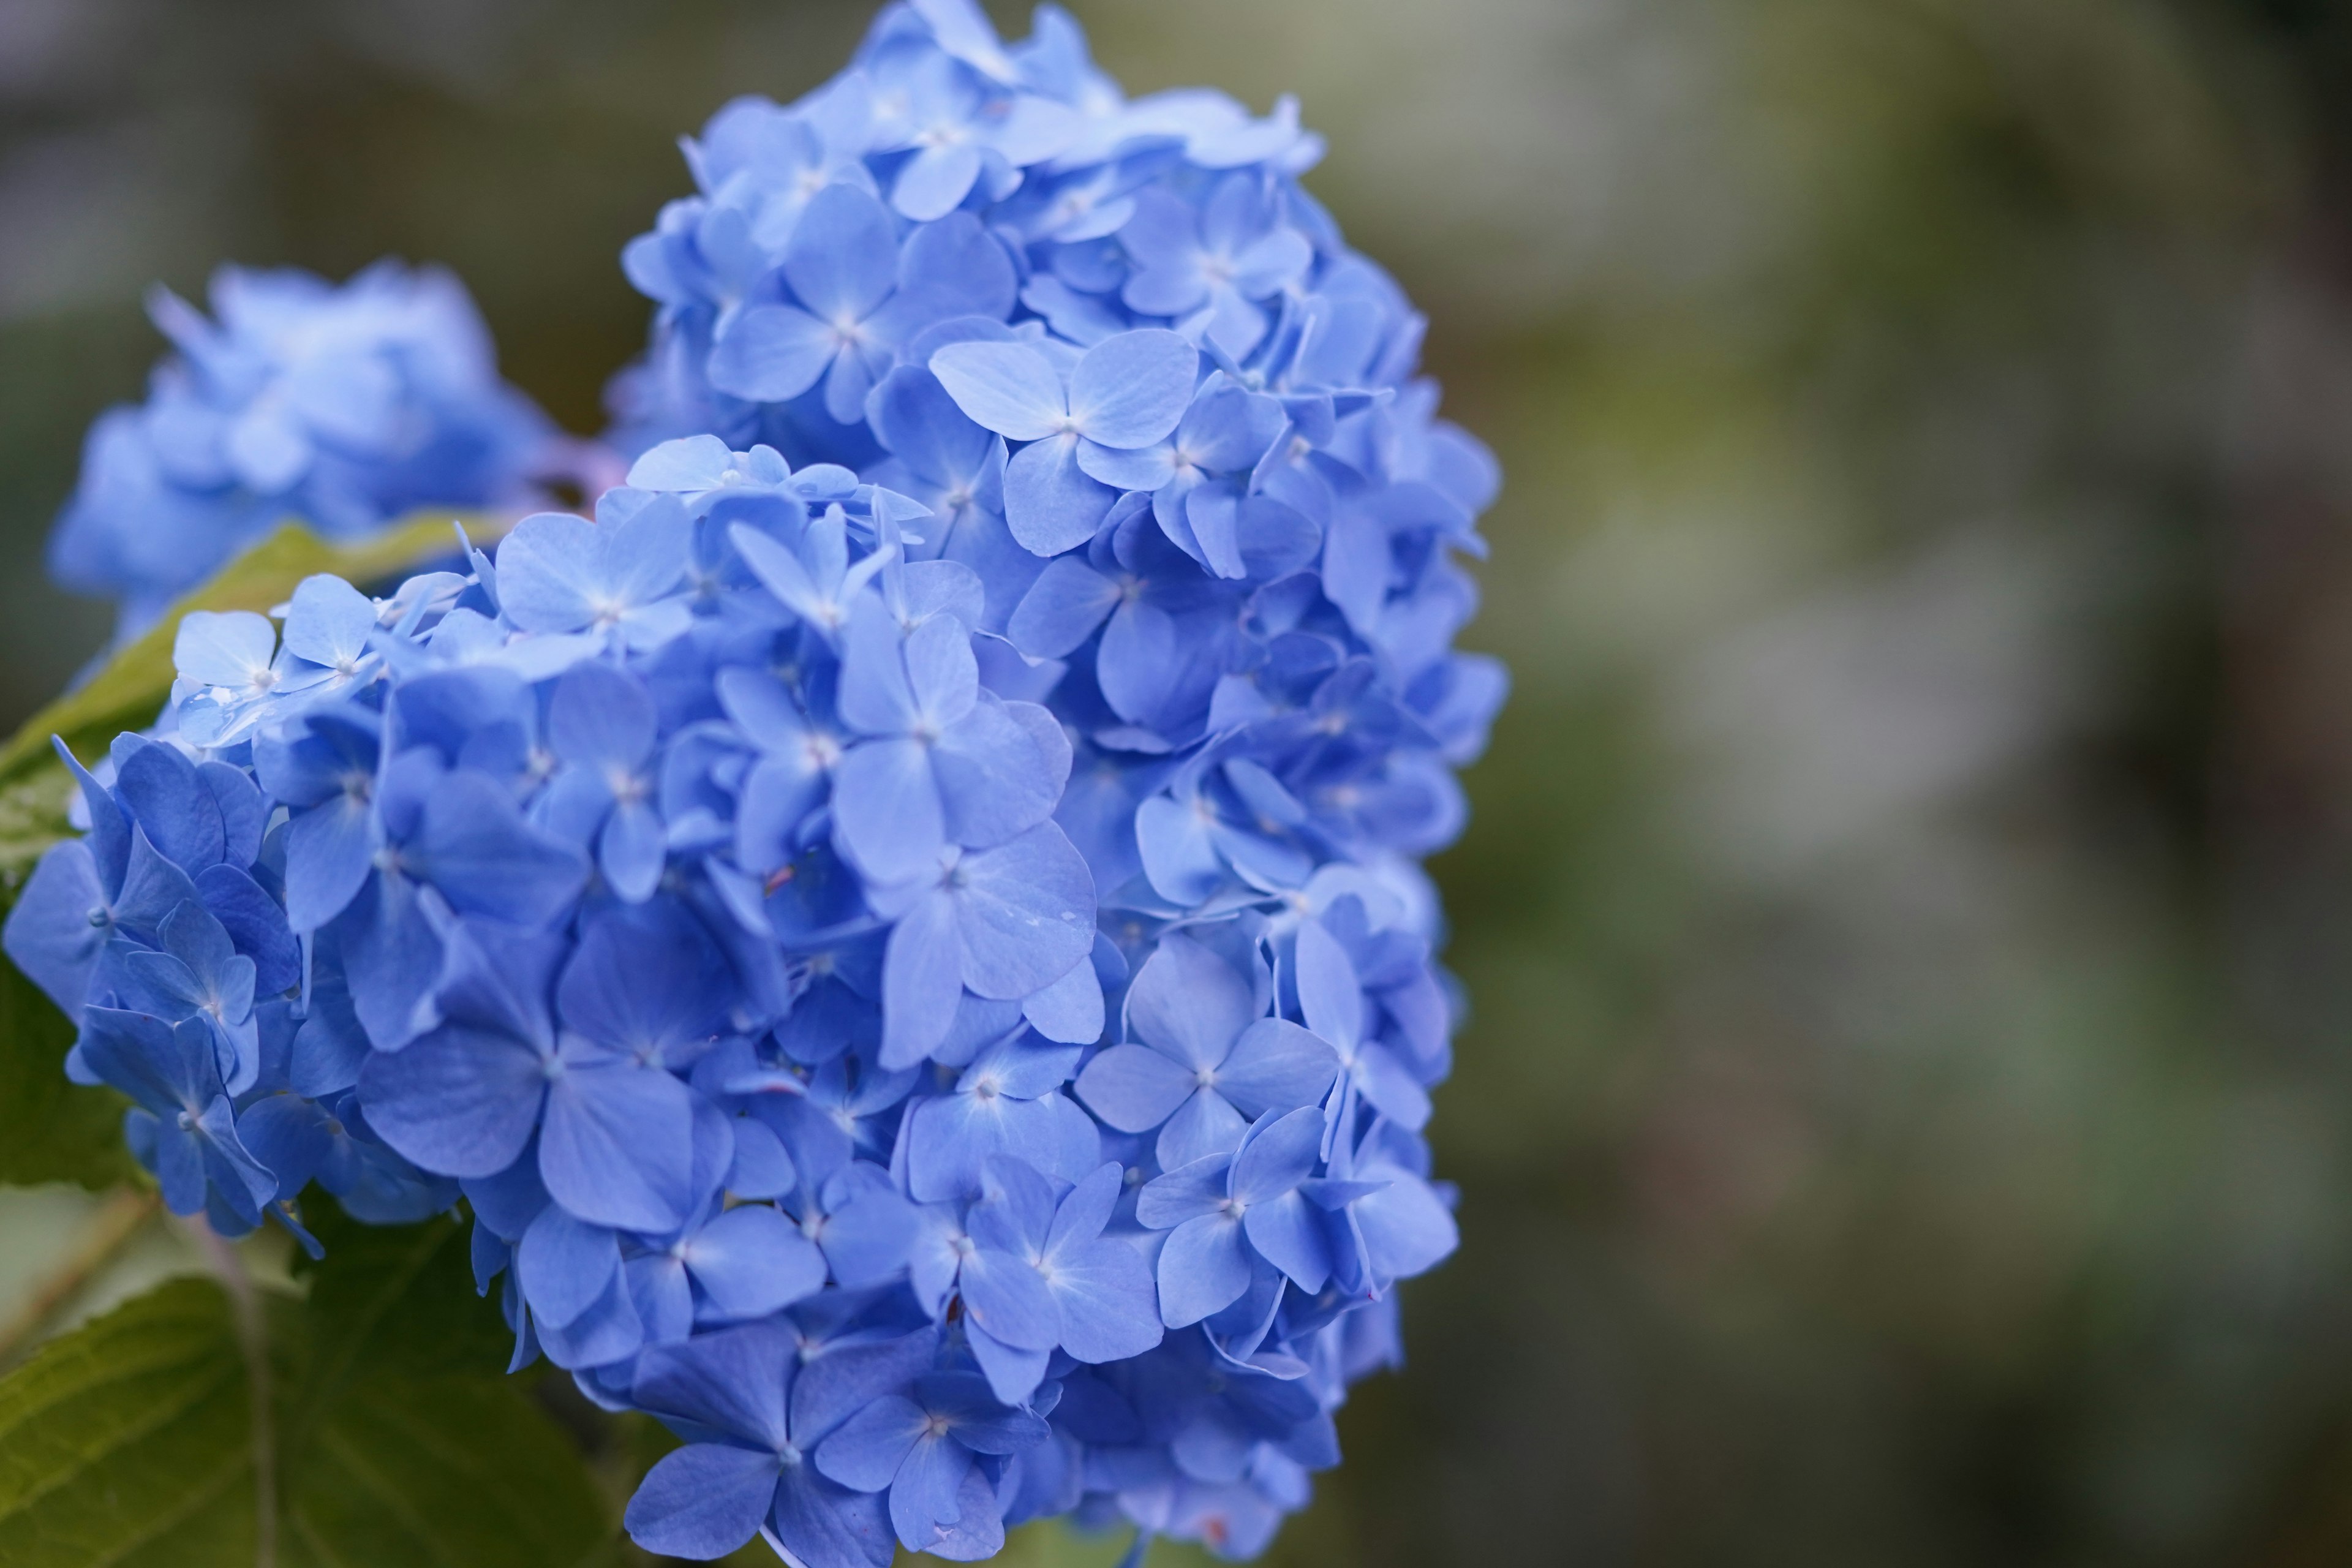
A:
[1109,1309]
[771,353]
[1203,1269]
[703,1501]
[460,1102]
[921,987]
[1189,1002]
[1133,1088]
[1287,1235]
[866,1451]
[1202,1126]
[618,1146]
[1007,1297]
[1281,1155]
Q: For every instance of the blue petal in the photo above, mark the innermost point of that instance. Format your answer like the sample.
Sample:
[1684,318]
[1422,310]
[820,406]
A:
[59,924]
[1282,1152]
[1012,1374]
[913,415]
[633,851]
[826,1525]
[1009,1299]
[935,181]
[771,353]
[329,621]
[1202,1126]
[477,850]
[1277,1065]
[1203,1269]
[1287,1235]
[566,1264]
[1406,1229]
[1061,609]
[1109,1309]
[179,816]
[734,1381]
[601,717]
[1024,911]
[994,779]
[920,980]
[844,255]
[1133,1088]
[702,1501]
[1130,390]
[867,1236]
[1070,1010]
[752,1260]
[329,850]
[1009,388]
[923,1497]
[1187,1191]
[1190,1002]
[1051,503]
[864,1452]
[255,924]
[1329,993]
[887,811]
[458,1101]
[617,1146]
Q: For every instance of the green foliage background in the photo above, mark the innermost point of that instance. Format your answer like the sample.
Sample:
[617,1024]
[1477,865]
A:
[1905,1116]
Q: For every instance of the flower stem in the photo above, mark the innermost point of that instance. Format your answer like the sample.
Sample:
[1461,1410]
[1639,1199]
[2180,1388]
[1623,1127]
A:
[253,1339]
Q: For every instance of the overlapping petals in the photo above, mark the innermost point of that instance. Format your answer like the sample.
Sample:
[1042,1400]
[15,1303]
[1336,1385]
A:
[904,926]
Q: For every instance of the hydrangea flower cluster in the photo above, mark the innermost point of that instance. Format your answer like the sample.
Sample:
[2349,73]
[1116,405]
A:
[903,929]
[346,407]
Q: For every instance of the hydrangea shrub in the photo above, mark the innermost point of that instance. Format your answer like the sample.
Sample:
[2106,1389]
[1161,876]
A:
[903,929]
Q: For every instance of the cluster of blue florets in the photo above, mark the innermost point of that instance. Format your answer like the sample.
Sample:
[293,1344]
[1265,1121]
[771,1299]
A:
[344,407]
[903,929]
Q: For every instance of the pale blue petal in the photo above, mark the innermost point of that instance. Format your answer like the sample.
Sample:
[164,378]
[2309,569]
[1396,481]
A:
[1130,390]
[1050,502]
[1024,911]
[752,1260]
[1275,1066]
[1009,388]
[844,255]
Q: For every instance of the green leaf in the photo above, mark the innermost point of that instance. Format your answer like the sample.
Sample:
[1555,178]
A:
[129,690]
[130,1442]
[51,1129]
[394,1442]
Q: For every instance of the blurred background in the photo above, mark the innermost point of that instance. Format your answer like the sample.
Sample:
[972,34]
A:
[1907,1116]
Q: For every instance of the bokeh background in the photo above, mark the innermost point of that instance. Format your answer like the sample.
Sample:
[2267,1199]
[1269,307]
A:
[1908,1113]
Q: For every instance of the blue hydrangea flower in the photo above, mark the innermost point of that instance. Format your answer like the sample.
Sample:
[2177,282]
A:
[344,407]
[904,926]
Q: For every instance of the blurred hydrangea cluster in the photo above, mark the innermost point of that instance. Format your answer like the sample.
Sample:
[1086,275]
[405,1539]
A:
[344,407]
[905,928]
